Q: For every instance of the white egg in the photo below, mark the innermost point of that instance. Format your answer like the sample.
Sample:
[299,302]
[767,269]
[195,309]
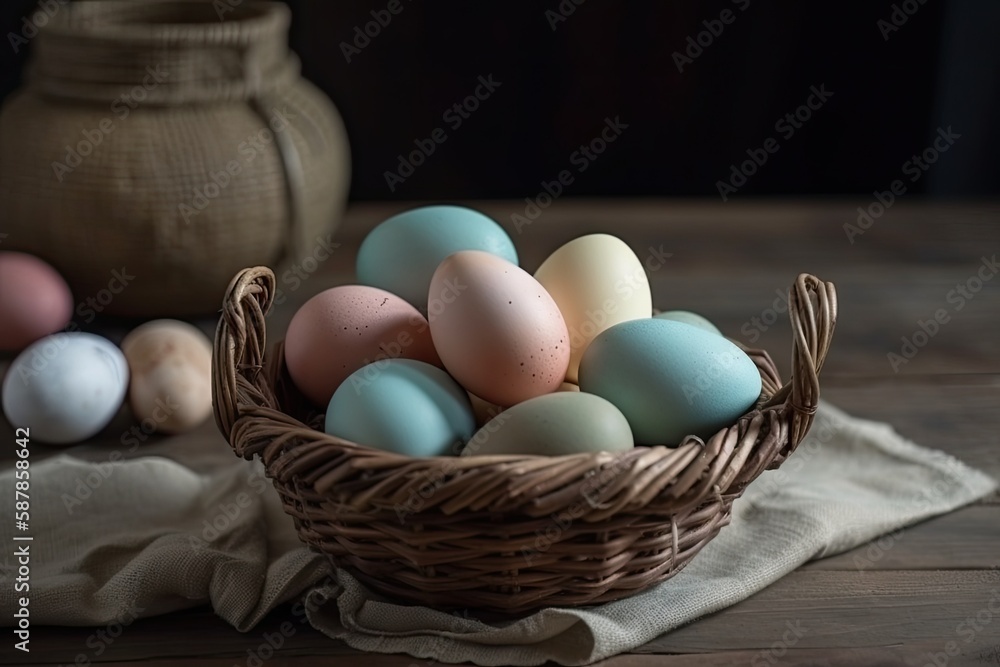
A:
[65,387]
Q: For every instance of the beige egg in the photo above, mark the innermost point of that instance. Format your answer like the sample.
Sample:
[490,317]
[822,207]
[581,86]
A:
[598,282]
[171,366]
[569,386]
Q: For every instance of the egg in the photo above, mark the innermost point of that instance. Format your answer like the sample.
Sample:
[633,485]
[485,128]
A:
[171,369]
[403,406]
[569,386]
[65,387]
[498,331]
[553,425]
[35,301]
[345,328]
[687,317]
[598,282]
[670,379]
[401,254]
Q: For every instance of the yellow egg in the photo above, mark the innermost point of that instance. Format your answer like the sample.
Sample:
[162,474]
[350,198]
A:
[171,366]
[598,282]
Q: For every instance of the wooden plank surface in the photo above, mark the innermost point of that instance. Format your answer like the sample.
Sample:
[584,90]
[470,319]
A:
[728,262]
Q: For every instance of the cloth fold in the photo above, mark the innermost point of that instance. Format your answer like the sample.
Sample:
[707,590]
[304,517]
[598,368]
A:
[154,537]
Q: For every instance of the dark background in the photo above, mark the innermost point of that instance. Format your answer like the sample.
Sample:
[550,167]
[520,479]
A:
[615,59]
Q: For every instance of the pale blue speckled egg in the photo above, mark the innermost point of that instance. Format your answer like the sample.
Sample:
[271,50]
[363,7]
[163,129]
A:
[670,379]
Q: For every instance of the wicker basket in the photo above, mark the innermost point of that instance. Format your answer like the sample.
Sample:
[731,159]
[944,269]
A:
[174,139]
[505,533]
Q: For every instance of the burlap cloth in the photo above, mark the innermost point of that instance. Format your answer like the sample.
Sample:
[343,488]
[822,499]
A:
[150,534]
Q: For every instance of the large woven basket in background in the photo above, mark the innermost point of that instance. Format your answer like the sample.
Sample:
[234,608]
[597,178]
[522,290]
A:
[207,86]
[505,533]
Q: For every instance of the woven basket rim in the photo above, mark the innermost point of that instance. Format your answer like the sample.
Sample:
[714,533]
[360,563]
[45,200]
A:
[256,287]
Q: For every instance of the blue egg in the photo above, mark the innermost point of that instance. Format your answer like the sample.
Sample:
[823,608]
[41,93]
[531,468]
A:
[670,379]
[403,406]
[402,253]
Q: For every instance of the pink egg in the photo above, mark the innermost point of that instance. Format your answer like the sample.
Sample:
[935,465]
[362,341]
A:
[498,331]
[35,301]
[345,328]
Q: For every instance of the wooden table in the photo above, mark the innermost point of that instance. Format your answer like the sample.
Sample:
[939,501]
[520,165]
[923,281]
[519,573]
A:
[898,601]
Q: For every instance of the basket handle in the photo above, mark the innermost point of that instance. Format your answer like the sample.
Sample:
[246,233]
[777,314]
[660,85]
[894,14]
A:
[812,331]
[240,340]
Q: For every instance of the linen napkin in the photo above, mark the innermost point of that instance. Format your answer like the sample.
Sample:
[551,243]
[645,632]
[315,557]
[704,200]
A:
[153,536]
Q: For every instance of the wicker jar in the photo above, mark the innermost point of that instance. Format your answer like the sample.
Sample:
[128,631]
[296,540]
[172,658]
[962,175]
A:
[159,147]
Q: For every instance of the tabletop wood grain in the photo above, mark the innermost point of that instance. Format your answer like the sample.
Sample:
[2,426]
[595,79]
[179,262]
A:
[899,601]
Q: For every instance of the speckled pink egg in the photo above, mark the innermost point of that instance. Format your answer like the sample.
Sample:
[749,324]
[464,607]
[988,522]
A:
[345,328]
[35,301]
[498,331]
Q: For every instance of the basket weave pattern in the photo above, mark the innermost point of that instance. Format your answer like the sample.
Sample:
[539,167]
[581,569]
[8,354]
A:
[505,533]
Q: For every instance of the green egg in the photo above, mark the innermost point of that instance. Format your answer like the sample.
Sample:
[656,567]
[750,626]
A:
[553,425]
